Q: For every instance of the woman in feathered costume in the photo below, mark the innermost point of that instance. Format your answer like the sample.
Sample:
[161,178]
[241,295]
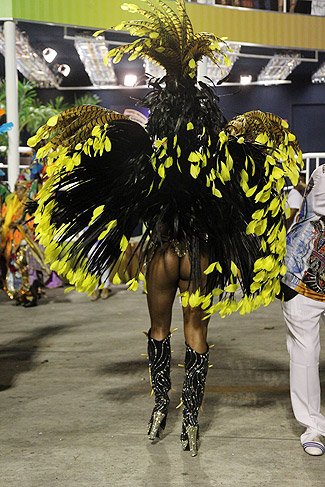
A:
[209,193]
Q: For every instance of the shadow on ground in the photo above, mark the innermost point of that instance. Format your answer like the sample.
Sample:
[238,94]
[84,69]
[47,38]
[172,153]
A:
[18,355]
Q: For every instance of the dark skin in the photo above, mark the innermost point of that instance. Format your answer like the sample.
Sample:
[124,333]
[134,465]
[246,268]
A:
[166,273]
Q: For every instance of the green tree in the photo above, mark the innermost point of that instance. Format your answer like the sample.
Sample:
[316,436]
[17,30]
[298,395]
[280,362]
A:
[26,101]
[87,99]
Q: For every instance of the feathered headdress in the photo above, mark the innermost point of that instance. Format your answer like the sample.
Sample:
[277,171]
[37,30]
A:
[168,39]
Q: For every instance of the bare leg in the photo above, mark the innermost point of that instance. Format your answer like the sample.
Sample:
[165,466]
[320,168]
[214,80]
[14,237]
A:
[162,282]
[195,328]
[162,279]
[166,273]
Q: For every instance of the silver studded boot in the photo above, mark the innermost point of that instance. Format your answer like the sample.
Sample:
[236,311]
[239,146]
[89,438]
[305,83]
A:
[196,368]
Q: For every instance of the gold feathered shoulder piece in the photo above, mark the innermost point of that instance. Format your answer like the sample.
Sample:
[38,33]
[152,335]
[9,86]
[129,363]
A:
[252,124]
[273,132]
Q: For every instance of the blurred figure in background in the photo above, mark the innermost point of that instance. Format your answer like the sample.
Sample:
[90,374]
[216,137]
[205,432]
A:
[294,199]
[4,192]
[21,256]
[105,292]
[318,7]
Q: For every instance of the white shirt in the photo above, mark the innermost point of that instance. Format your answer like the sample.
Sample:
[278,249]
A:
[294,199]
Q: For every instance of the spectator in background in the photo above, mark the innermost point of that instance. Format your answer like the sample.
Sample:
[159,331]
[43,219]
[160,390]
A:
[105,292]
[266,4]
[302,7]
[18,246]
[4,192]
[318,7]
[294,199]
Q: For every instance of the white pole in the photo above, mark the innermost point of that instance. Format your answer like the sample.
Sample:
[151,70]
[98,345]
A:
[12,101]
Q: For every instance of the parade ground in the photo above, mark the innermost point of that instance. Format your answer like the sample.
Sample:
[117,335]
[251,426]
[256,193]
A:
[75,400]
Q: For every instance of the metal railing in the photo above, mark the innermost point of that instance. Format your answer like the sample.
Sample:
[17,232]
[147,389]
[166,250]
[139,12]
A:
[23,151]
[311,161]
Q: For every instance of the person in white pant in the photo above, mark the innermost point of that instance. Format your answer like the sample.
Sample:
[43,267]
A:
[303,307]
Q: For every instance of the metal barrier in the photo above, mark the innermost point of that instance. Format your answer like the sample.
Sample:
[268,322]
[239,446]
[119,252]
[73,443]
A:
[311,161]
[23,151]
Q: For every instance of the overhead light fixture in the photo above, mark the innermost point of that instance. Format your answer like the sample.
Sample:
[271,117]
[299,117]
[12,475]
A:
[92,51]
[64,69]
[32,66]
[49,54]
[217,72]
[279,67]
[245,79]
[130,79]
[319,75]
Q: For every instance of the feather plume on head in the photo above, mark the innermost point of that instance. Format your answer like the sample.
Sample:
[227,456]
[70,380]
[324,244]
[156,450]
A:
[168,39]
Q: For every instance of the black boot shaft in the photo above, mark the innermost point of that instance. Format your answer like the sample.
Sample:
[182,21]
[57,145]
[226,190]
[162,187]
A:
[196,368]
[159,353]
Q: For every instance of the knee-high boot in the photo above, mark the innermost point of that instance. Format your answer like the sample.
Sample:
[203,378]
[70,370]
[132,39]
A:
[159,354]
[196,368]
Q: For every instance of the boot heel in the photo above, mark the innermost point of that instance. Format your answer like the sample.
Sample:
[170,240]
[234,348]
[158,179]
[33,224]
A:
[157,425]
[193,446]
[190,439]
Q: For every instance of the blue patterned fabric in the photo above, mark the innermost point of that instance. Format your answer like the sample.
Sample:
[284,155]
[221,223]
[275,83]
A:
[305,259]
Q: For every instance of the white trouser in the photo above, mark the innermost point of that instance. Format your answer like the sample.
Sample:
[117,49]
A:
[302,317]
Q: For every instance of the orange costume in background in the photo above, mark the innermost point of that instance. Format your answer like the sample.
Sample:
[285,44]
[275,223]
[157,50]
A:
[16,233]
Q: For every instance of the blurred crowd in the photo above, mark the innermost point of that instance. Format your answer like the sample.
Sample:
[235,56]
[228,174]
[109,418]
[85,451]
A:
[23,271]
[313,7]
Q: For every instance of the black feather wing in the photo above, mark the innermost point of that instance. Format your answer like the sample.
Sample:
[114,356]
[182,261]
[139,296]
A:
[94,197]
